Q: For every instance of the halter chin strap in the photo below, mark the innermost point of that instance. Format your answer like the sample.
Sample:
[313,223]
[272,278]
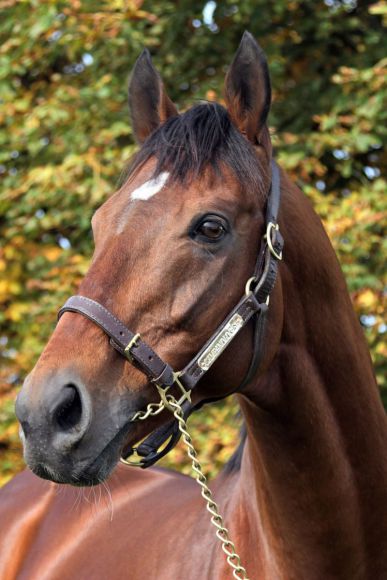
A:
[253,305]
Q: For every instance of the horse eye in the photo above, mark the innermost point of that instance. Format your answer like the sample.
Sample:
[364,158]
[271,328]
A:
[211,229]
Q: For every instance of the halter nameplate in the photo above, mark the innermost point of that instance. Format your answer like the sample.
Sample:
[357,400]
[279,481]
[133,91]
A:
[220,342]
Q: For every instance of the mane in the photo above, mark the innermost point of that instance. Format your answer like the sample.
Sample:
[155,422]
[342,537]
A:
[186,144]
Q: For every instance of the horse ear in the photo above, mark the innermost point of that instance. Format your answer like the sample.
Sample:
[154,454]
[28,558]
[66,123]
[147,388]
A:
[149,104]
[247,89]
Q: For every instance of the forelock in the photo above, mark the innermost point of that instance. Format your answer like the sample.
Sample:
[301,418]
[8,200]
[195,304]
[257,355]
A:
[203,136]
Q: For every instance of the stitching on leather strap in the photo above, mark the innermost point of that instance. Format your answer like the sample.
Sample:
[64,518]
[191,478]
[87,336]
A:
[91,316]
[93,303]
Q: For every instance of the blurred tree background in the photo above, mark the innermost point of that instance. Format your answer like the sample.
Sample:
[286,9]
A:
[65,138]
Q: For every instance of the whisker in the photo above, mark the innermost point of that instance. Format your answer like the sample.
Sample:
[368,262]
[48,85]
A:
[110,499]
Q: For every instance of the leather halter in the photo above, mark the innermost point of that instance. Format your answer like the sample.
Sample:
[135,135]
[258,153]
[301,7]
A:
[253,305]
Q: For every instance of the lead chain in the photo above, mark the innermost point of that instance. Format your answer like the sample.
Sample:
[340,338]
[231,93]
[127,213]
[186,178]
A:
[233,560]
[169,402]
[151,410]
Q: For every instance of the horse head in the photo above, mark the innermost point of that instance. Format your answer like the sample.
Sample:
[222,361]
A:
[174,247]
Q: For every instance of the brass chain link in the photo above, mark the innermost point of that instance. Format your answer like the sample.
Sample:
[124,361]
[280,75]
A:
[228,546]
[151,410]
[169,402]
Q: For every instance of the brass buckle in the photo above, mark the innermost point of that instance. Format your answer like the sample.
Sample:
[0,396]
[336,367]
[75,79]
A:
[130,345]
[270,227]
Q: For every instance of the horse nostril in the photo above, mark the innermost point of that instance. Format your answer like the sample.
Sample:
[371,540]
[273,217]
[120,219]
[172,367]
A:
[68,413]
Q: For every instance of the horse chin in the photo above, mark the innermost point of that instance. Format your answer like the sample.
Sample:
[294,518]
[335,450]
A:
[77,475]
[85,480]
[46,472]
[67,469]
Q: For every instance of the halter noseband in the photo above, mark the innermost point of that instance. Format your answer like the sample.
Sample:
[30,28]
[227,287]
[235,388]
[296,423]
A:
[254,303]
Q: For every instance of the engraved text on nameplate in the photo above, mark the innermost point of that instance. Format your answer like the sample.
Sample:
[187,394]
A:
[218,345]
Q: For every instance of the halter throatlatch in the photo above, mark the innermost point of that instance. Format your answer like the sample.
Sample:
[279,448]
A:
[253,305]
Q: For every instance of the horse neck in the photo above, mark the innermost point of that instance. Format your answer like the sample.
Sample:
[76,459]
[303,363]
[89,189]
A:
[315,452]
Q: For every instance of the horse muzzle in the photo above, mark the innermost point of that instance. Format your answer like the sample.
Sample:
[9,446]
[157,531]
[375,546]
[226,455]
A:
[68,437]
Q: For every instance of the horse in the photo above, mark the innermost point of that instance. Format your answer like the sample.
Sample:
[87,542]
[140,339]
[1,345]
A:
[193,229]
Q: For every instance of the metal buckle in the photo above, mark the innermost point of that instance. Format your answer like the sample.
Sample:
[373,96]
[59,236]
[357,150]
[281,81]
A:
[130,345]
[249,283]
[270,227]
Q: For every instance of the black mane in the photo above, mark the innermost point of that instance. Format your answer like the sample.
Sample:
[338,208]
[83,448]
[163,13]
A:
[202,136]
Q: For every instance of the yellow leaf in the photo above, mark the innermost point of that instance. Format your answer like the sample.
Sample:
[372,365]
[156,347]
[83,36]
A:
[52,253]
[366,299]
[16,311]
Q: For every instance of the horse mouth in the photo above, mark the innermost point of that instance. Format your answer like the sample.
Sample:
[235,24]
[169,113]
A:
[85,473]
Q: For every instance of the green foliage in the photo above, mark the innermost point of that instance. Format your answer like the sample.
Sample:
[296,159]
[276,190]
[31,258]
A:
[65,138]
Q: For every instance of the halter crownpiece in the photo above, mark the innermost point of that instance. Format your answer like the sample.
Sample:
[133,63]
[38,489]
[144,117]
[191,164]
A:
[253,305]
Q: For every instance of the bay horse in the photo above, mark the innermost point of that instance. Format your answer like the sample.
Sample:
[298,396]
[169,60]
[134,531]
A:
[306,497]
